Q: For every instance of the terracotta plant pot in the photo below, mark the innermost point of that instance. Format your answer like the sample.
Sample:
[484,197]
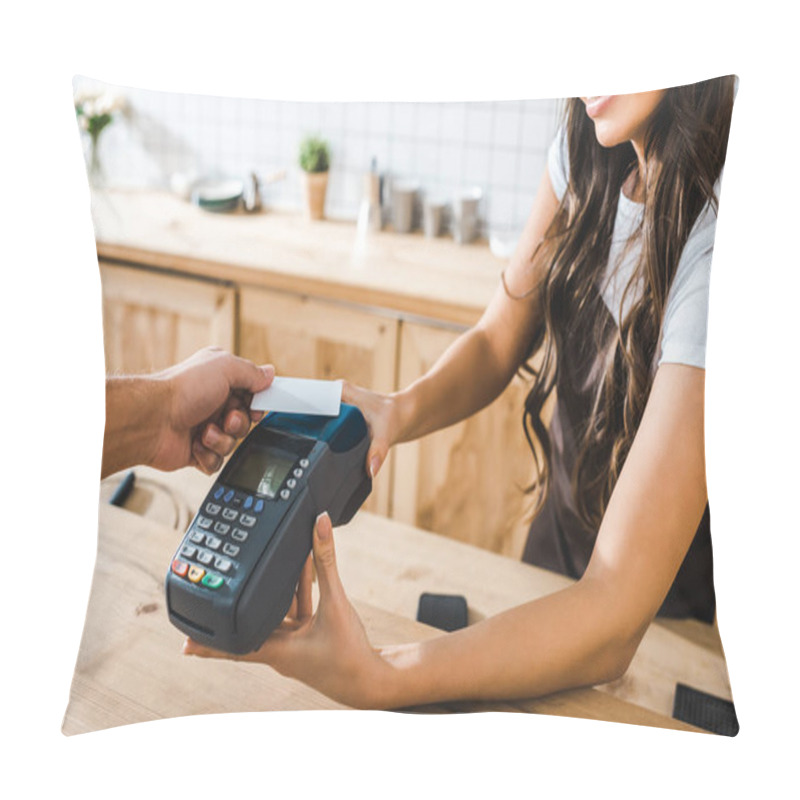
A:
[315,185]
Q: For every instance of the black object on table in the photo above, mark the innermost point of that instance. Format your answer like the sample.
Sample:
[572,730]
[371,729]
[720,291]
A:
[122,492]
[448,612]
[705,711]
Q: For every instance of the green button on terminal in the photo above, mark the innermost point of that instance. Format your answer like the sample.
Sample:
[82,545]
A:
[212,581]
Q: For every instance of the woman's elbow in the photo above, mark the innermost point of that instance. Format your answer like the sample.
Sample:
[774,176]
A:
[618,647]
[617,660]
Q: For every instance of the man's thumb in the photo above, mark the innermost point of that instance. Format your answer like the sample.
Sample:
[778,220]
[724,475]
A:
[243,374]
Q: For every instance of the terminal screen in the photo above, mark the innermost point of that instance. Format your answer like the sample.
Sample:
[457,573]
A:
[261,470]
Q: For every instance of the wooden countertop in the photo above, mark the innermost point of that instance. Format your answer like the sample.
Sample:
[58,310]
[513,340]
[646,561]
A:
[130,667]
[407,274]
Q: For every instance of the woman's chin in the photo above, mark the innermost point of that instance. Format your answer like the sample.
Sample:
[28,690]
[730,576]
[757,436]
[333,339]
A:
[607,135]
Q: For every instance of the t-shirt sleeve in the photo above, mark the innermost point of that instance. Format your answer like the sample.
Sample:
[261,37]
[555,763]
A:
[558,163]
[685,328]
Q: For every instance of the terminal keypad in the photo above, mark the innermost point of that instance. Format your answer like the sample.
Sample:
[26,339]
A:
[209,553]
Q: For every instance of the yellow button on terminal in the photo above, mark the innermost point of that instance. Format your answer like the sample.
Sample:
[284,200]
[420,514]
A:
[196,574]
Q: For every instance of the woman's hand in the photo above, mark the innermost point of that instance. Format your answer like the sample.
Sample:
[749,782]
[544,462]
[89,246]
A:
[327,650]
[381,413]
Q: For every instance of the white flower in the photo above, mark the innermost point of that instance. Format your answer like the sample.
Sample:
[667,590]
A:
[82,96]
[102,105]
[95,104]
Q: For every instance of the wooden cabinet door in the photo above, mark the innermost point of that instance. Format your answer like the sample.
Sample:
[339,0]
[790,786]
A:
[467,481]
[309,338]
[152,320]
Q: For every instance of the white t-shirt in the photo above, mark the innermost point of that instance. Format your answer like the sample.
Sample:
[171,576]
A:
[683,335]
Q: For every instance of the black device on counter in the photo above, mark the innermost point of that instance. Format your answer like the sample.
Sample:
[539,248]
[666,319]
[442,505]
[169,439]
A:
[232,580]
[704,710]
[448,612]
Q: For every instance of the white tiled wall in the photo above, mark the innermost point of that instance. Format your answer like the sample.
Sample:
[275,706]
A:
[447,146]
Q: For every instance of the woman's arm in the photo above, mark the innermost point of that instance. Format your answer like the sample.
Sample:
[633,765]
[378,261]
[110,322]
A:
[587,633]
[582,635]
[476,368]
[479,364]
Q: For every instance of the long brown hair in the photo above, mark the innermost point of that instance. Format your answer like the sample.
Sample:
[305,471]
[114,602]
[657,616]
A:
[684,153]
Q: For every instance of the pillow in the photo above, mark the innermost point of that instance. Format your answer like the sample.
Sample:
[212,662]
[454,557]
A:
[361,241]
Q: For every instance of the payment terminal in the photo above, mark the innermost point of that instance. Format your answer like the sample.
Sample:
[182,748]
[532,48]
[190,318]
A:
[232,580]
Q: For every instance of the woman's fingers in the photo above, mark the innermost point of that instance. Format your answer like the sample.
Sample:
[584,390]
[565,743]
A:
[350,393]
[304,608]
[291,614]
[374,408]
[376,455]
[193,648]
[330,585]
[264,655]
[331,592]
[300,610]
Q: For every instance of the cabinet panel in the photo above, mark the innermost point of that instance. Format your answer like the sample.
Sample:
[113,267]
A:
[308,338]
[151,321]
[466,481]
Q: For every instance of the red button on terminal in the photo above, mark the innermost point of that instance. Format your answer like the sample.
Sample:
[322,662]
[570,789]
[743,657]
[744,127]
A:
[180,568]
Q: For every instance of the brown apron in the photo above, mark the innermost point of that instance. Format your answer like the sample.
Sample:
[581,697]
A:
[558,539]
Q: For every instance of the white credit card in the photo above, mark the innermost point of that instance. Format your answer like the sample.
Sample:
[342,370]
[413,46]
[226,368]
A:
[300,396]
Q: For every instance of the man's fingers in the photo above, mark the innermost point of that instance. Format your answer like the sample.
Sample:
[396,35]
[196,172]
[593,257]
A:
[237,417]
[206,459]
[236,420]
[213,439]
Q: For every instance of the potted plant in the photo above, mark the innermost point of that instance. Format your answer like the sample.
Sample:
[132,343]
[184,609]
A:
[314,159]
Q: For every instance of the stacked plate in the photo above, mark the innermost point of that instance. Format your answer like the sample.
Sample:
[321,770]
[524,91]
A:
[218,195]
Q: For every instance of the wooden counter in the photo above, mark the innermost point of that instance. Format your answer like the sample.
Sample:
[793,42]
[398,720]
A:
[429,278]
[130,667]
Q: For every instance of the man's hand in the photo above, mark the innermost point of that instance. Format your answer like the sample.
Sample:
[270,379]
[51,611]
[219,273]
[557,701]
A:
[208,409]
[188,415]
